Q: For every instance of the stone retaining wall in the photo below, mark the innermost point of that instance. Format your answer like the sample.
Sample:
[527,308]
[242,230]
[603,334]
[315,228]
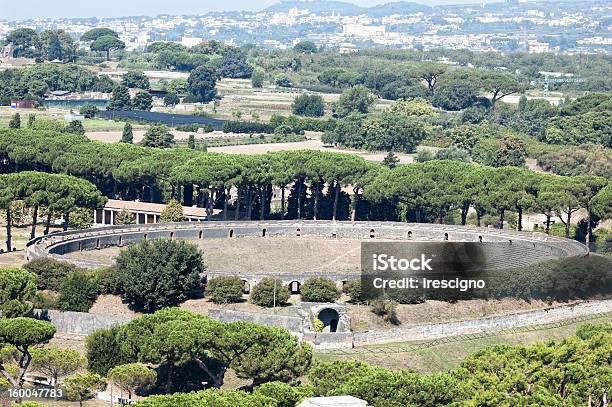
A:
[491,324]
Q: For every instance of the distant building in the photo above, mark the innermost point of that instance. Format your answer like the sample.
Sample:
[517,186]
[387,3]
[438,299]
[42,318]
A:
[363,31]
[74,117]
[334,401]
[7,51]
[191,41]
[22,104]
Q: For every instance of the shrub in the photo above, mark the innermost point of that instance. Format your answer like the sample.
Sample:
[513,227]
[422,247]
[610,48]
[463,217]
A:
[173,212]
[51,273]
[386,309]
[247,127]
[84,386]
[308,105]
[318,289]
[225,290]
[269,292]
[108,281]
[89,110]
[159,273]
[103,351]
[78,292]
[353,289]
[285,394]
[132,377]
[125,217]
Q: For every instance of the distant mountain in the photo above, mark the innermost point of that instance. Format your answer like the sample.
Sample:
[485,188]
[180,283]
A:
[318,7]
[400,7]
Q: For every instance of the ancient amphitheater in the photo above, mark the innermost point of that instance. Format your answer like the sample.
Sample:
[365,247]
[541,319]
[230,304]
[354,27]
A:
[505,248]
[96,247]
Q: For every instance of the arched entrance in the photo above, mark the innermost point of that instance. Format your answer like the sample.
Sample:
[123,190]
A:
[246,289]
[330,318]
[294,287]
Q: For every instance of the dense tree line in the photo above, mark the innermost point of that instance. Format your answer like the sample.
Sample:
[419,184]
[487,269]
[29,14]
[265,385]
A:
[57,193]
[34,81]
[430,192]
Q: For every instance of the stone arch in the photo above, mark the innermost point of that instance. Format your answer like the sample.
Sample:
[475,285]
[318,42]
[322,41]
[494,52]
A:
[246,289]
[294,287]
[330,318]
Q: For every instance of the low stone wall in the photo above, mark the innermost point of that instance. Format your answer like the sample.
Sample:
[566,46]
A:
[491,324]
[292,324]
[79,323]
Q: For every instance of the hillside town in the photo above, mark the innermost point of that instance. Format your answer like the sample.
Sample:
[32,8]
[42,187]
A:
[527,26]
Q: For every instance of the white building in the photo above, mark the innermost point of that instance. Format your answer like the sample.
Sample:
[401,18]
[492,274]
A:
[191,41]
[363,31]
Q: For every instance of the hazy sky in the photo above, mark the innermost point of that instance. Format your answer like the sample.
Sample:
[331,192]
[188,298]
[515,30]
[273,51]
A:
[17,9]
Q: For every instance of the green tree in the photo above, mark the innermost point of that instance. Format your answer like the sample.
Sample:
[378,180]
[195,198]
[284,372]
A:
[308,105]
[159,273]
[120,99]
[257,78]
[270,292]
[103,351]
[224,290]
[17,291]
[159,136]
[128,135]
[285,394]
[430,73]
[89,110]
[142,101]
[135,79]
[15,122]
[23,40]
[55,45]
[357,99]
[50,272]
[132,377]
[96,33]
[23,334]
[84,386]
[173,212]
[125,217]
[78,292]
[499,85]
[454,95]
[171,99]
[319,289]
[191,142]
[305,47]
[107,43]
[56,363]
[75,127]
[201,84]
[391,160]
